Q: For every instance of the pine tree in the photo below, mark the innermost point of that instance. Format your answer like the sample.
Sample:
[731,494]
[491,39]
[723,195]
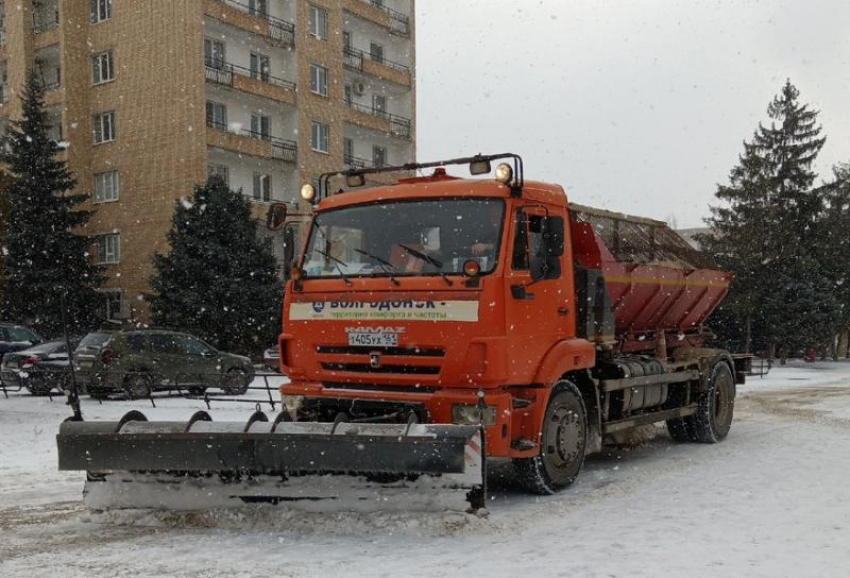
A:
[833,248]
[765,226]
[219,280]
[45,258]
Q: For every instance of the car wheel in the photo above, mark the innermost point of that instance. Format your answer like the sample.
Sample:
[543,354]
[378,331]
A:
[236,381]
[137,386]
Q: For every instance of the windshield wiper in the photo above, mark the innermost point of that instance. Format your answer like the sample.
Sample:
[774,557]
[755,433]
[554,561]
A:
[387,265]
[428,259]
[337,262]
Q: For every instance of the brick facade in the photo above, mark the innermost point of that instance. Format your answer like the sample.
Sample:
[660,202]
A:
[163,143]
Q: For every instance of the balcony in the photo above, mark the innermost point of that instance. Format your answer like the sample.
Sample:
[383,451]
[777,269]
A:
[278,31]
[45,22]
[381,120]
[252,143]
[375,65]
[374,10]
[357,163]
[256,82]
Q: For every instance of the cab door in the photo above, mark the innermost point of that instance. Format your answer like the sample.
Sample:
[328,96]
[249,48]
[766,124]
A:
[538,300]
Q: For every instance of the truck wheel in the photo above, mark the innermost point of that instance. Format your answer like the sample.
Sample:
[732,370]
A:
[562,443]
[137,386]
[713,418]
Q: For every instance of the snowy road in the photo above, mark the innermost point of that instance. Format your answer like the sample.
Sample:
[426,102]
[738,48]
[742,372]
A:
[772,500]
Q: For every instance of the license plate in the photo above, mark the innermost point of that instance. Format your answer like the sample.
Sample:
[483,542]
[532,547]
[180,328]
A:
[379,339]
[85,364]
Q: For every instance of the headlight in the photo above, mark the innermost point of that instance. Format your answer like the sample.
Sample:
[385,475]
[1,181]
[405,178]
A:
[504,173]
[308,193]
[473,415]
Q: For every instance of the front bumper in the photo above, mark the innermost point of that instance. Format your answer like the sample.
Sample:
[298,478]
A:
[438,403]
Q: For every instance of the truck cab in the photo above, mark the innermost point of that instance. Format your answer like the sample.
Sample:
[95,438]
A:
[450,299]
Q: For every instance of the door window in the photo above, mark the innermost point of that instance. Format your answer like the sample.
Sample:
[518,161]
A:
[192,346]
[529,253]
[164,343]
[137,343]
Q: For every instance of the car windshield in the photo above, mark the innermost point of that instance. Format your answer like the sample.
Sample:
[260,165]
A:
[405,238]
[94,340]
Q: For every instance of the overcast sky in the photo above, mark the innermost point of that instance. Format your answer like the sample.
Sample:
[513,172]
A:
[635,106]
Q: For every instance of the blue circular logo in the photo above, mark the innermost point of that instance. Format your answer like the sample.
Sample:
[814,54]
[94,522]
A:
[318,306]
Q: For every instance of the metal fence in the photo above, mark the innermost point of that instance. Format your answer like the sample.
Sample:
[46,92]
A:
[353,58]
[399,126]
[638,240]
[102,387]
[280,31]
[222,72]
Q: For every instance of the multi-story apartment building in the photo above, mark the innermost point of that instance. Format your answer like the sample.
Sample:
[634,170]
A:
[150,98]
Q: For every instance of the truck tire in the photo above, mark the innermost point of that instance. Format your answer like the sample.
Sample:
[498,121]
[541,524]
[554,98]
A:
[562,443]
[715,407]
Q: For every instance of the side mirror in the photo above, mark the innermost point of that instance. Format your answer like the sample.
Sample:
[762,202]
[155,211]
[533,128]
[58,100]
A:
[481,167]
[276,217]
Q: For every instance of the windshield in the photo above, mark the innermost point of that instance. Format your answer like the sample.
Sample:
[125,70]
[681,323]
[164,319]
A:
[405,238]
[93,340]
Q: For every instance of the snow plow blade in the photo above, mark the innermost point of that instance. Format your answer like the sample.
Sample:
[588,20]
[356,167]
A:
[201,464]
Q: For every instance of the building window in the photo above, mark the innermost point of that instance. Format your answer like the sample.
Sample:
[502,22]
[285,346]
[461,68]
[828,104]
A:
[262,187]
[260,67]
[106,186]
[258,8]
[318,23]
[109,248]
[348,148]
[102,69]
[319,79]
[214,53]
[379,105]
[220,172]
[261,126]
[346,41]
[379,157]
[104,127]
[216,115]
[376,52]
[101,10]
[112,303]
[347,94]
[319,137]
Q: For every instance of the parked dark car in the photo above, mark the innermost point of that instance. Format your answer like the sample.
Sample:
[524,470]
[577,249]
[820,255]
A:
[17,338]
[40,369]
[138,362]
[87,351]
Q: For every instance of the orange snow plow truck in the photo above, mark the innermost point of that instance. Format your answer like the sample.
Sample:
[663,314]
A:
[438,323]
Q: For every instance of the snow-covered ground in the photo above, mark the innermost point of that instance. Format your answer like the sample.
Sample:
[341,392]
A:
[772,500]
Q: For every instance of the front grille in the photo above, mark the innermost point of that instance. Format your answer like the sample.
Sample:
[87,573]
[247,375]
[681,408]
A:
[382,388]
[367,368]
[366,350]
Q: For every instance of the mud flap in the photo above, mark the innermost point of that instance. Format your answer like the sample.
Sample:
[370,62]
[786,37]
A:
[200,464]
